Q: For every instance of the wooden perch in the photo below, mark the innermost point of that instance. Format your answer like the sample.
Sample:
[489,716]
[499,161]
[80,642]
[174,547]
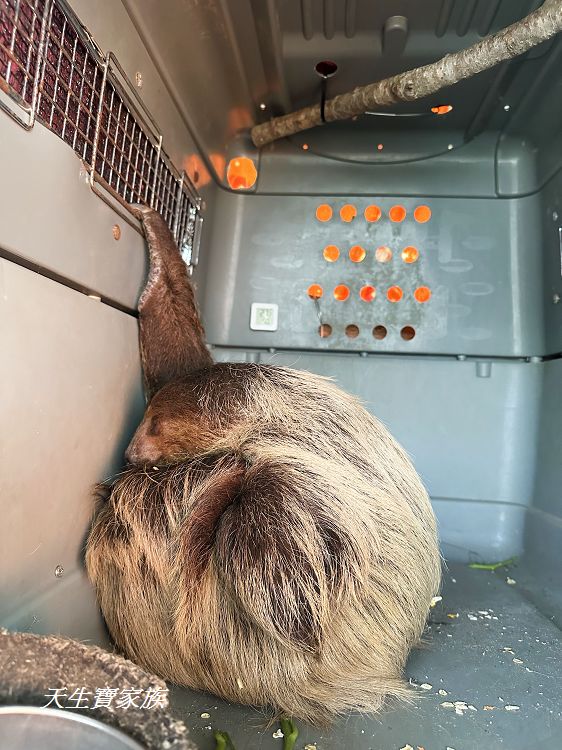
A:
[512,41]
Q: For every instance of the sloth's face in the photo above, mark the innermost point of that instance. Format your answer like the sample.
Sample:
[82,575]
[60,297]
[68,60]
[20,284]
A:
[173,428]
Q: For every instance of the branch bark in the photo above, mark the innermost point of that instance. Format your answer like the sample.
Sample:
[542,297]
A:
[511,42]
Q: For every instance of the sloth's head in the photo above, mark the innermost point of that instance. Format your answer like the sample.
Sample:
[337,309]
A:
[173,428]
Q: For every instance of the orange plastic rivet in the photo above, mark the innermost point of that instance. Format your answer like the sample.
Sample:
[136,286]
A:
[241,173]
[422,294]
[397,214]
[331,253]
[341,292]
[383,254]
[372,213]
[422,214]
[324,212]
[348,212]
[368,293]
[315,291]
[410,254]
[394,294]
[357,254]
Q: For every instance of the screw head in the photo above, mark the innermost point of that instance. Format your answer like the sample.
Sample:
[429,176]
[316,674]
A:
[59,570]
[555,216]
[263,105]
[507,107]
[116,231]
[555,298]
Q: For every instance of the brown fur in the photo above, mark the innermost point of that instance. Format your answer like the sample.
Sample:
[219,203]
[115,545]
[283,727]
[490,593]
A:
[284,551]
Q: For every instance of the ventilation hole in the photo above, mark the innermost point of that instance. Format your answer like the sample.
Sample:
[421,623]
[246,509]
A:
[315,291]
[407,333]
[324,212]
[394,294]
[331,253]
[397,214]
[422,214]
[372,213]
[348,212]
[442,109]
[368,293]
[196,176]
[341,292]
[352,331]
[379,332]
[326,68]
[422,294]
[241,173]
[383,254]
[410,254]
[324,330]
[357,254]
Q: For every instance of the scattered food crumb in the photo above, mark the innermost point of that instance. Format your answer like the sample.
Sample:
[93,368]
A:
[508,650]
[452,615]
[483,612]
[448,704]
[407,747]
[489,708]
[205,715]
[434,600]
[443,692]
[512,708]
[156,469]
[453,580]
[450,748]
[426,686]
[510,581]
[209,727]
[239,683]
[310,747]
[419,747]
[471,617]
[517,661]
[278,734]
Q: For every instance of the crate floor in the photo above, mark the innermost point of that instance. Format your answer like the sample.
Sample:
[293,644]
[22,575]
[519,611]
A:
[501,657]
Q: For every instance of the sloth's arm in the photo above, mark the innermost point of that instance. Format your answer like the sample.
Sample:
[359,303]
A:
[171,335]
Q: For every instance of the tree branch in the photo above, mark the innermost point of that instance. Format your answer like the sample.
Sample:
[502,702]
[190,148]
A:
[511,42]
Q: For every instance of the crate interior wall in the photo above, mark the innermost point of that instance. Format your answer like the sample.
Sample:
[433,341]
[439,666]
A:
[474,396]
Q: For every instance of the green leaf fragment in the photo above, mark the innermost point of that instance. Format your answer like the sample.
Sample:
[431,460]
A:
[290,733]
[492,566]
[223,741]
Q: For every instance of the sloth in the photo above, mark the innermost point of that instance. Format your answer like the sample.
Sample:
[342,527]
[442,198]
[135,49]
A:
[269,540]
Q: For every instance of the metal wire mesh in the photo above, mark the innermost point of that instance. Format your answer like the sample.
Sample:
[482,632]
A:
[20,34]
[166,191]
[70,87]
[82,97]
[186,218]
[126,156]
